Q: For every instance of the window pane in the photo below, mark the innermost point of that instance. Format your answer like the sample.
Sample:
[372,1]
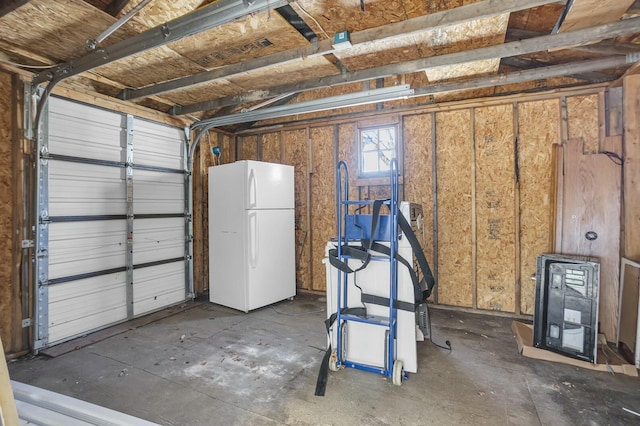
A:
[377,148]
[370,162]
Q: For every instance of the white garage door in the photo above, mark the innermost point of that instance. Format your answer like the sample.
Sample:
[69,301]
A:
[111,238]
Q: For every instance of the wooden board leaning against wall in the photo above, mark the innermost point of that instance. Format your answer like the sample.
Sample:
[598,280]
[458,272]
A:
[6,210]
[495,188]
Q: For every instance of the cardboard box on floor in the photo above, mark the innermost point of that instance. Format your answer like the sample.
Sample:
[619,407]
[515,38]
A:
[524,338]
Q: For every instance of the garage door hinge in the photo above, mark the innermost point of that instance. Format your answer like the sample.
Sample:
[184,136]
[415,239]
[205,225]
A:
[26,322]
[27,244]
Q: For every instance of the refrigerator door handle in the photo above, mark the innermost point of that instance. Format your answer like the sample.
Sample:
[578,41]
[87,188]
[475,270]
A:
[253,239]
[253,190]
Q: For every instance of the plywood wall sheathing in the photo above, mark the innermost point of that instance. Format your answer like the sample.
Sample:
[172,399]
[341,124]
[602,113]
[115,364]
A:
[323,217]
[453,139]
[271,147]
[631,94]
[582,114]
[348,140]
[538,130]
[6,209]
[296,155]
[592,204]
[248,148]
[495,221]
[418,176]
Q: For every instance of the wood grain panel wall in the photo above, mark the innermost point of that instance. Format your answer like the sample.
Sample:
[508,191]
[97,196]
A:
[455,238]
[296,154]
[495,219]
[323,216]
[418,174]
[248,148]
[495,190]
[538,131]
[631,111]
[270,148]
[203,159]
[6,211]
[582,121]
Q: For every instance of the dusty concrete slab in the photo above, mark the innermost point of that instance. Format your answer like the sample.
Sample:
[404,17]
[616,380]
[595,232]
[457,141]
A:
[211,365]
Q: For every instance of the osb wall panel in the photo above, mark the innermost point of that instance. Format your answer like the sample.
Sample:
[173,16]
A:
[271,148]
[582,114]
[418,179]
[538,130]
[296,155]
[248,148]
[6,209]
[203,159]
[348,152]
[453,151]
[495,223]
[323,220]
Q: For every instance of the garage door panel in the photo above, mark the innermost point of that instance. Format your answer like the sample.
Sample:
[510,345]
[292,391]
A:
[158,239]
[78,131]
[158,145]
[158,192]
[84,247]
[112,220]
[76,307]
[85,189]
[158,286]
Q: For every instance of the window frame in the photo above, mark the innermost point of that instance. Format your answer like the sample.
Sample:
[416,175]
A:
[384,174]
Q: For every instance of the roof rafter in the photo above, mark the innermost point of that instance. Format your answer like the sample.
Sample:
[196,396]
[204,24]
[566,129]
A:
[433,21]
[515,48]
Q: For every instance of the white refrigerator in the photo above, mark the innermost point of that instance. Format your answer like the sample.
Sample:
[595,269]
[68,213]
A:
[251,234]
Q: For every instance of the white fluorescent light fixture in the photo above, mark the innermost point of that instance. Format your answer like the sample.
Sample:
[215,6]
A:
[342,101]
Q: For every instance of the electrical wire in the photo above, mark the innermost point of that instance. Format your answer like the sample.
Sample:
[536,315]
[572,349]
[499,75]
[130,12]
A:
[447,343]
[38,67]
[313,19]
[617,160]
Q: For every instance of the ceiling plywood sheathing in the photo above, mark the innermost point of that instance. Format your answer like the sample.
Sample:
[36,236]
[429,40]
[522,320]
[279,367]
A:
[587,13]
[256,35]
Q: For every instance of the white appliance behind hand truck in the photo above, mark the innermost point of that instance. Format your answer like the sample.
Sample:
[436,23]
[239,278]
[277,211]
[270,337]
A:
[373,306]
[365,343]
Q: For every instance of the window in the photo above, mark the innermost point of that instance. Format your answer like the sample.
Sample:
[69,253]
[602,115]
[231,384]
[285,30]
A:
[378,146]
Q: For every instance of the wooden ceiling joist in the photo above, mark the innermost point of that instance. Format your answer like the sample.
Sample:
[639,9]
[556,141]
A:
[592,76]
[498,51]
[208,17]
[431,22]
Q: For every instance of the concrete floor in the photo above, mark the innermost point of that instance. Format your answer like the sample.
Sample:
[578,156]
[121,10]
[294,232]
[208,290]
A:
[209,365]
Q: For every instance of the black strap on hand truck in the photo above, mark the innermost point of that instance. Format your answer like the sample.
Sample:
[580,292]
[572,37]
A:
[422,288]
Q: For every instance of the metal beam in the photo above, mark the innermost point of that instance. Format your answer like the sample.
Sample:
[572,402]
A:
[323,104]
[433,21]
[216,14]
[515,48]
